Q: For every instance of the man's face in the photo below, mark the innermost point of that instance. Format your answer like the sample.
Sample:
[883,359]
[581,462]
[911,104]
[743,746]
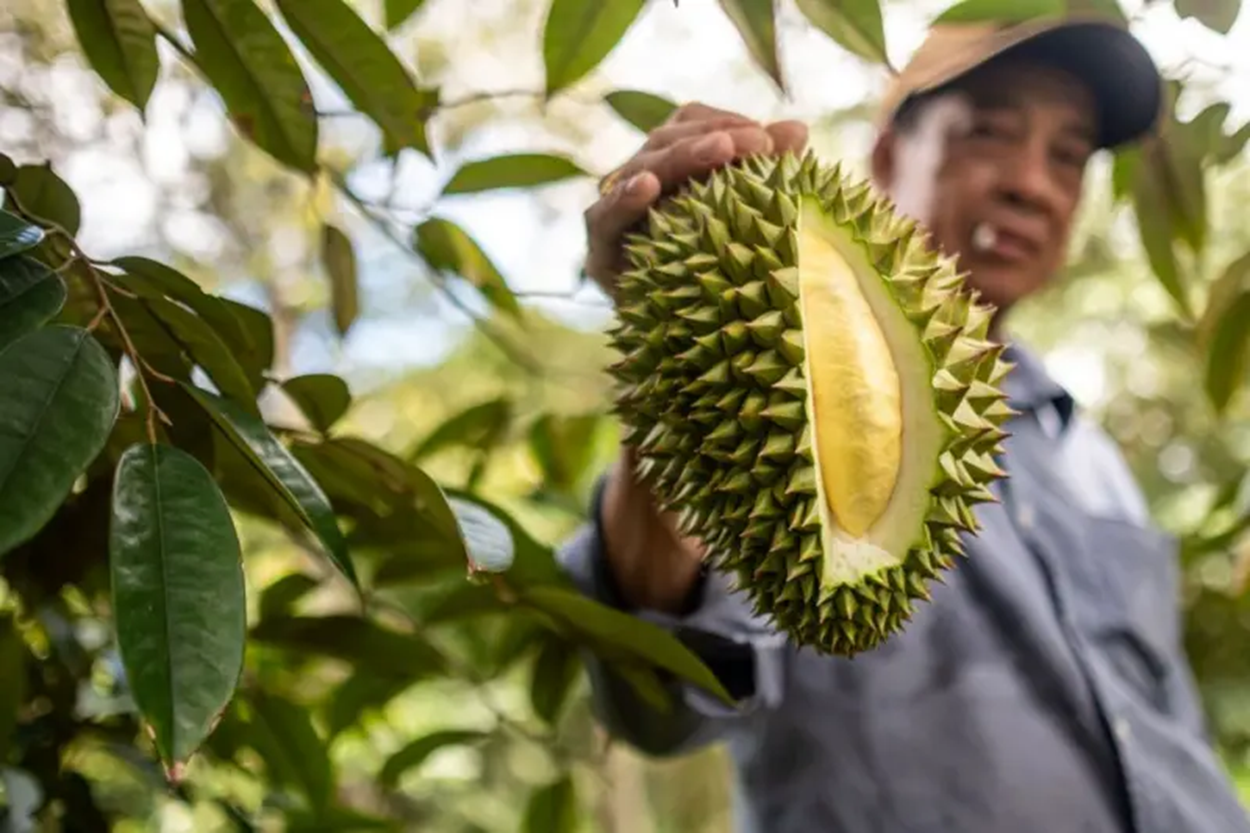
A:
[1013,160]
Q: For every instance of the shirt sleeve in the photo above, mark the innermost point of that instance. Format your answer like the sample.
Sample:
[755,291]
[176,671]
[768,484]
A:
[742,650]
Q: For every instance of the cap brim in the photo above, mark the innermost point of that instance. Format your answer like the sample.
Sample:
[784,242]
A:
[1126,84]
[1124,80]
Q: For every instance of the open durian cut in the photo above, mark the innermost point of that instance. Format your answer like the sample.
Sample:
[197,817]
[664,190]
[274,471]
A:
[813,389]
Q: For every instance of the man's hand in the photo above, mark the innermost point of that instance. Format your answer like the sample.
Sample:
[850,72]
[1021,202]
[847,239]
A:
[653,565]
[695,140]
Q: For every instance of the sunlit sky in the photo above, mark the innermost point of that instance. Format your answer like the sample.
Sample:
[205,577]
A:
[688,52]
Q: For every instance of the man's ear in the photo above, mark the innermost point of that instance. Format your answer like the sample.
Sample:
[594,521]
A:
[883,159]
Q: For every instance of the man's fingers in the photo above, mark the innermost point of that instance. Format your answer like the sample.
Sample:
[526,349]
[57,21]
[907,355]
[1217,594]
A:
[611,216]
[698,155]
[788,136]
[669,134]
[694,111]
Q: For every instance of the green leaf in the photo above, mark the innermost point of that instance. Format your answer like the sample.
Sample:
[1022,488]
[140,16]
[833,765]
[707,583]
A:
[294,754]
[487,539]
[448,248]
[1155,231]
[339,260]
[645,111]
[281,473]
[277,598]
[205,348]
[358,695]
[615,633]
[579,34]
[253,69]
[552,808]
[1232,283]
[534,563]
[415,753]
[555,671]
[322,397]
[1006,11]
[564,447]
[30,295]
[178,595]
[363,66]
[336,819]
[379,650]
[398,11]
[1228,357]
[120,44]
[255,353]
[8,169]
[13,672]
[855,25]
[59,398]
[754,20]
[514,170]
[478,426]
[42,194]
[17,235]
[153,279]
[1219,15]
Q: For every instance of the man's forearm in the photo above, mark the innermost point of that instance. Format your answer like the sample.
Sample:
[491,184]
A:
[652,564]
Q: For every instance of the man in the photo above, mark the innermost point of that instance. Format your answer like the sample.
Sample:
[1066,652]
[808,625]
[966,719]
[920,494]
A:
[1044,687]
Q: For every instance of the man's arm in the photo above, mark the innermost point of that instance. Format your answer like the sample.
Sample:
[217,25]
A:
[700,609]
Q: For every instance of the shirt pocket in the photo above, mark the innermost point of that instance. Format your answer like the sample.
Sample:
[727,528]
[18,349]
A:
[1134,614]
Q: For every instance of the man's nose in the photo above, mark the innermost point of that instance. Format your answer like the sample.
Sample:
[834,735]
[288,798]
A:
[1027,178]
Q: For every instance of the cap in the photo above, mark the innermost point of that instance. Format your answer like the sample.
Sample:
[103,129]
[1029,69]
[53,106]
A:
[1123,78]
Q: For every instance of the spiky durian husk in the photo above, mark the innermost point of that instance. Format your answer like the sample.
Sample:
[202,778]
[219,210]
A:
[712,390]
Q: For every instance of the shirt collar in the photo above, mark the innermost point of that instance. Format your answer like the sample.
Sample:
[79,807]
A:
[1030,388]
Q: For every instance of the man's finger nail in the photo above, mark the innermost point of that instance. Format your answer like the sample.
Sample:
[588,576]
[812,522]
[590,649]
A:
[634,184]
[708,147]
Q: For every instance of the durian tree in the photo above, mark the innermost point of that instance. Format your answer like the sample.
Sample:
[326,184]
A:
[155,443]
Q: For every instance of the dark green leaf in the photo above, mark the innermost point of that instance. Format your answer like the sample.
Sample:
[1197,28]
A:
[17,235]
[552,808]
[415,753]
[1006,11]
[281,472]
[1232,145]
[13,672]
[322,397]
[1155,230]
[579,34]
[120,43]
[564,447]
[555,671]
[153,279]
[370,646]
[513,170]
[205,348]
[363,66]
[337,820]
[42,194]
[398,11]
[477,426]
[339,260]
[277,598]
[448,248]
[614,632]
[255,354]
[59,398]
[8,169]
[30,295]
[855,25]
[1228,357]
[178,594]
[645,111]
[754,20]
[294,754]
[1219,15]
[486,538]
[534,563]
[357,695]
[464,600]
[1231,284]
[252,67]
[646,683]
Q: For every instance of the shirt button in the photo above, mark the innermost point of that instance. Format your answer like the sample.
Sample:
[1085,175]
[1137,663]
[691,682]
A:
[1025,516]
[1123,730]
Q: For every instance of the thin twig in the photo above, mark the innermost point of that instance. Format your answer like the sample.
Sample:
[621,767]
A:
[106,309]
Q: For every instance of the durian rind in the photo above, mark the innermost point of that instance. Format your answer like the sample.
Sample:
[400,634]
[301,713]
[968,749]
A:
[716,393]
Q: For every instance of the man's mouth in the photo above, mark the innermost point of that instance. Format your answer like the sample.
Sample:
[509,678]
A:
[1002,243]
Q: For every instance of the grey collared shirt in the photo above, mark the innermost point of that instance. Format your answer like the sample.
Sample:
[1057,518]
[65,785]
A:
[1042,690]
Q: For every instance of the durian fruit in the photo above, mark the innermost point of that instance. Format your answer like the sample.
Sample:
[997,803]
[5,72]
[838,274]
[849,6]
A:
[811,386]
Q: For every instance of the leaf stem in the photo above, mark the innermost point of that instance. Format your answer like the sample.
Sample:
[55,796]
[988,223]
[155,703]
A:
[76,255]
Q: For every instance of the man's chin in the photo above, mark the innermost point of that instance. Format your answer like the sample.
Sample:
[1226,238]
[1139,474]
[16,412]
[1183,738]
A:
[1000,284]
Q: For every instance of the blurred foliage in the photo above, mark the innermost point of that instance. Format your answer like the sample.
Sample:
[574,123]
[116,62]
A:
[234,596]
